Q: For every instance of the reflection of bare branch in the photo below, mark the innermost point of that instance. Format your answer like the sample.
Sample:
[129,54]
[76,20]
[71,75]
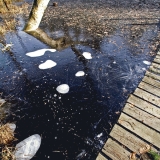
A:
[58,44]
[77,52]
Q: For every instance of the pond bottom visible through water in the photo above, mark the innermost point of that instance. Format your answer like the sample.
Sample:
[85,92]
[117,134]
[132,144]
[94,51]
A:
[74,125]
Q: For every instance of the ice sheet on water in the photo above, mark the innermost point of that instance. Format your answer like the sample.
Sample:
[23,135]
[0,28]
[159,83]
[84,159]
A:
[79,74]
[39,53]
[26,149]
[63,88]
[48,64]
[87,55]
[147,62]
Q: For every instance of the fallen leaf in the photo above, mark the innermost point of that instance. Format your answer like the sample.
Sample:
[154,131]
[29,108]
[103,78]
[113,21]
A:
[144,149]
[132,156]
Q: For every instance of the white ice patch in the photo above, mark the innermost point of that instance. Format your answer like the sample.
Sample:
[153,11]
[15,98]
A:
[79,74]
[147,62]
[48,64]
[26,149]
[63,88]
[39,53]
[87,55]
[99,135]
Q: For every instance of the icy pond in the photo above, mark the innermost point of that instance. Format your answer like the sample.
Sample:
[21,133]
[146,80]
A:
[74,123]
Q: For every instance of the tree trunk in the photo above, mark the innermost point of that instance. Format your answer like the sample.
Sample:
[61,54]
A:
[36,14]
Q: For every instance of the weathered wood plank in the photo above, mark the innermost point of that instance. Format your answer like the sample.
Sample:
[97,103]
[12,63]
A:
[142,116]
[152,75]
[128,139]
[147,96]
[116,152]
[155,70]
[156,65]
[146,106]
[149,88]
[151,81]
[100,157]
[156,60]
[158,56]
[140,129]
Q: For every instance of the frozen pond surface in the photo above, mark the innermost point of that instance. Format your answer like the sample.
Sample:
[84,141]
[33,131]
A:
[74,125]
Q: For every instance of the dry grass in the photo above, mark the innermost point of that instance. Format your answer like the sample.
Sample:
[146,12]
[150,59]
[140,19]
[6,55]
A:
[8,153]
[9,23]
[6,134]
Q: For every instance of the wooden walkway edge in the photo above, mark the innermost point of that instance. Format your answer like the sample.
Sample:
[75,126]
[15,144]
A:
[138,126]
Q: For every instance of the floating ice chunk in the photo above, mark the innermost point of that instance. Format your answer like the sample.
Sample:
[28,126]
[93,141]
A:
[63,88]
[79,74]
[48,64]
[12,126]
[87,55]
[26,149]
[99,135]
[39,52]
[147,62]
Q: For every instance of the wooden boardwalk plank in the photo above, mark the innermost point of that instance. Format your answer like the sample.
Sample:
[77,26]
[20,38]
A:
[152,75]
[146,106]
[158,53]
[140,129]
[142,116]
[158,56]
[151,81]
[147,96]
[155,70]
[156,60]
[155,65]
[116,152]
[128,139]
[100,157]
[149,88]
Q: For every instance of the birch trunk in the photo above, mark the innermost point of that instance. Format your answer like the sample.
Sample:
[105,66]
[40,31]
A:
[36,14]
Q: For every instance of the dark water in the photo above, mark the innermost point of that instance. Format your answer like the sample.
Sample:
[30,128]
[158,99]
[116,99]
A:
[73,125]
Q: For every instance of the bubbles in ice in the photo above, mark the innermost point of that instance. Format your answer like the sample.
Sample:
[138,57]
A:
[63,88]
[147,62]
[39,52]
[48,64]
[87,55]
[79,74]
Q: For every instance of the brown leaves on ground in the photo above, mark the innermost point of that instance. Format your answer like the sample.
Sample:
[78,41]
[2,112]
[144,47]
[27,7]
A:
[6,134]
[8,153]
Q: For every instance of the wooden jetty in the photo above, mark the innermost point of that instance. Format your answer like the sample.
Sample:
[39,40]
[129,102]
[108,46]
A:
[138,126]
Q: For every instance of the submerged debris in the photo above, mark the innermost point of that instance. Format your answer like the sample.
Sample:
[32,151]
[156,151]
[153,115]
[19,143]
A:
[81,155]
[7,47]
